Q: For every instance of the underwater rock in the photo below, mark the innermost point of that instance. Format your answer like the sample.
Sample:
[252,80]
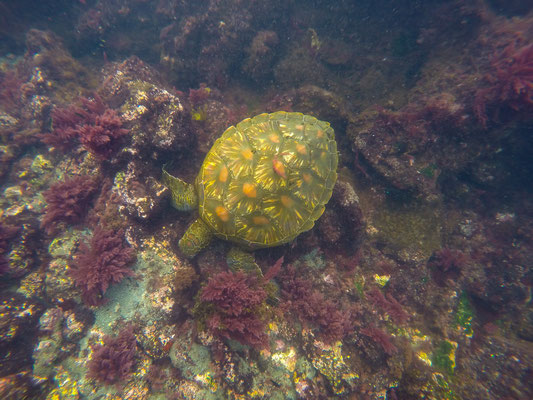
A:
[18,386]
[336,53]
[23,251]
[193,360]
[140,197]
[334,366]
[49,348]
[159,122]
[7,233]
[381,151]
[156,117]
[500,367]
[261,55]
[206,44]
[117,78]
[7,155]
[58,282]
[53,70]
[298,68]
[342,224]
[18,323]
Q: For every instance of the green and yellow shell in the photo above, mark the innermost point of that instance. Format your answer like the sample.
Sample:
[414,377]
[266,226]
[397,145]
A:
[267,179]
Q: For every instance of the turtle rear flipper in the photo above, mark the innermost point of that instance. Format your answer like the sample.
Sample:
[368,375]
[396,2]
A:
[239,259]
[197,237]
[184,196]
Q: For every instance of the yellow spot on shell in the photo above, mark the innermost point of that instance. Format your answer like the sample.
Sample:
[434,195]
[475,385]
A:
[247,154]
[279,168]
[222,213]
[286,201]
[249,190]
[223,175]
[300,148]
[260,220]
[319,133]
[274,138]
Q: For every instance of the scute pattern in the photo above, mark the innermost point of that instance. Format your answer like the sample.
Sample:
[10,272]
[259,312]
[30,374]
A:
[267,179]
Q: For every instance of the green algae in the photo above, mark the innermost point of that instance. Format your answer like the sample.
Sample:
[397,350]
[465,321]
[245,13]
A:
[359,283]
[443,356]
[314,259]
[416,228]
[63,246]
[464,315]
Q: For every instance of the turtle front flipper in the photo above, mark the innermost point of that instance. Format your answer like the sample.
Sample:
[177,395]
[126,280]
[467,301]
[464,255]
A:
[184,196]
[197,236]
[242,260]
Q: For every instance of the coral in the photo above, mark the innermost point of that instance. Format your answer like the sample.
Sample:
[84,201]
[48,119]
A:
[446,265]
[388,304]
[97,127]
[236,297]
[381,338]
[510,84]
[106,260]
[114,361]
[68,201]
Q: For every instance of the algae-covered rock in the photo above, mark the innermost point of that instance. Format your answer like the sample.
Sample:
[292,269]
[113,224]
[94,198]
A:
[158,122]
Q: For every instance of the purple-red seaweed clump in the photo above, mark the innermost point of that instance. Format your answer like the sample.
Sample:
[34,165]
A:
[509,84]
[68,202]
[97,127]
[199,96]
[313,308]
[380,337]
[446,265]
[236,297]
[106,260]
[389,305]
[114,361]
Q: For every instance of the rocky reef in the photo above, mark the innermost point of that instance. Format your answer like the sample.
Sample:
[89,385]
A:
[414,284]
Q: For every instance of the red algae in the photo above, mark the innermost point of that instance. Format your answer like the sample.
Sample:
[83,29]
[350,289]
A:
[106,260]
[68,202]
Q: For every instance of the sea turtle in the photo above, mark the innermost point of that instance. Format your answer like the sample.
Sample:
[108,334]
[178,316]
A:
[264,181]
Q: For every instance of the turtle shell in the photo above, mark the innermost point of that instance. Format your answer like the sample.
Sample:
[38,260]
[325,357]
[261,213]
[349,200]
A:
[267,179]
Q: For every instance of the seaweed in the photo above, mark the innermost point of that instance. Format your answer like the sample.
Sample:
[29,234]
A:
[114,361]
[236,297]
[91,123]
[67,202]
[380,337]
[509,85]
[105,261]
